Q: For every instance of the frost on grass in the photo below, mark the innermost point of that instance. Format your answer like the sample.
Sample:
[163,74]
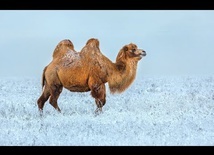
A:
[153,111]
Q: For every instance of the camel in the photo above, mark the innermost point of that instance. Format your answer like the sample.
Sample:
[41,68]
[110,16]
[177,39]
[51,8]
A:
[88,70]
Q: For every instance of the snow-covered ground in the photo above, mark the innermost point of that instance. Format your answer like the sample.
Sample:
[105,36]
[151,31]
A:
[154,111]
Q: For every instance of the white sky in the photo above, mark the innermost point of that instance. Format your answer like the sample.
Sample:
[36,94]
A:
[177,42]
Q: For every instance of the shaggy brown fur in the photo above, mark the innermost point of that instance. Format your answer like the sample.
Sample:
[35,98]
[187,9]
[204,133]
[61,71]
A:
[88,70]
[62,47]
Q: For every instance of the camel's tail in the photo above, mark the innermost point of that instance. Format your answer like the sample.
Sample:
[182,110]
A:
[43,77]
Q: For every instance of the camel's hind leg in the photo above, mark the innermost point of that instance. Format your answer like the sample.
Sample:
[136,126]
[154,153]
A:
[43,98]
[55,91]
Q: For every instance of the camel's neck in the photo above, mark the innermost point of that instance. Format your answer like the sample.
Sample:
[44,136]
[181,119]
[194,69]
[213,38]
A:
[121,75]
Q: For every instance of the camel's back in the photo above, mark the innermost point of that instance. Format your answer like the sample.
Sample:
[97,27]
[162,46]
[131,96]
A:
[76,68]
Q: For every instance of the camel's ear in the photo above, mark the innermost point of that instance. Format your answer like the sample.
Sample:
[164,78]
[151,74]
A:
[125,48]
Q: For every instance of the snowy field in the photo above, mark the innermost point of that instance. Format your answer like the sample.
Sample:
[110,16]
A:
[154,111]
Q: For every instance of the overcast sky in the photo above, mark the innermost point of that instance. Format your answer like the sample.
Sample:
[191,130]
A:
[177,42]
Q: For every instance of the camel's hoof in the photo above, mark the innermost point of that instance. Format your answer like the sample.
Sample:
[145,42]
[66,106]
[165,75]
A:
[41,112]
[98,111]
[59,111]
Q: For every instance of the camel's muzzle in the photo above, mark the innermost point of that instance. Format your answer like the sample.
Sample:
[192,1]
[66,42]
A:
[144,53]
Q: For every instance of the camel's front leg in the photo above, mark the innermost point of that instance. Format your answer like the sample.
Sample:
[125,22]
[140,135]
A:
[99,93]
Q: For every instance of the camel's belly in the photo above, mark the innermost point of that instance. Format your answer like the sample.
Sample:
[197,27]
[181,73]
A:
[78,88]
[75,81]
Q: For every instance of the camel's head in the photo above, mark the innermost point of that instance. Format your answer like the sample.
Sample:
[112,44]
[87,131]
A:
[131,51]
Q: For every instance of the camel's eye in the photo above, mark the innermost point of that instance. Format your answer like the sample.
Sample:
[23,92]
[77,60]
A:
[133,50]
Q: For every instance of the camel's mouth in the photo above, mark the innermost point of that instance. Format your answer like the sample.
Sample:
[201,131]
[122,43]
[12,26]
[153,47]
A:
[142,54]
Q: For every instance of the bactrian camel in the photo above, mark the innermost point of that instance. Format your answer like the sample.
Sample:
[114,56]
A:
[88,70]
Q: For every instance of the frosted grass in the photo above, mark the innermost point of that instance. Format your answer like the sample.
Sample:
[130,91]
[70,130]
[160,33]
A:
[154,111]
